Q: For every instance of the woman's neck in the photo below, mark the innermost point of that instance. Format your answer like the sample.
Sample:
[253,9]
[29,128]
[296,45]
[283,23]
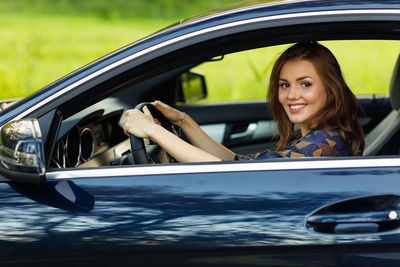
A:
[305,130]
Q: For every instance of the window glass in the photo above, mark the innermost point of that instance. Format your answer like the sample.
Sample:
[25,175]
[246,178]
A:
[367,66]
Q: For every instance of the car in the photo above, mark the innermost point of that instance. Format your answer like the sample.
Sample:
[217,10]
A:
[76,190]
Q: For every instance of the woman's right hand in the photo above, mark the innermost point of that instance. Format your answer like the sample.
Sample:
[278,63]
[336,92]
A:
[175,116]
[140,124]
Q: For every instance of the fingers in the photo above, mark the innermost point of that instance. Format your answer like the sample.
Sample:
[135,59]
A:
[166,110]
[147,112]
[169,112]
[129,114]
[160,105]
[138,123]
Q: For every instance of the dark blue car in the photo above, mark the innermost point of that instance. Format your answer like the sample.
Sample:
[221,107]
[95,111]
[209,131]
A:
[72,192]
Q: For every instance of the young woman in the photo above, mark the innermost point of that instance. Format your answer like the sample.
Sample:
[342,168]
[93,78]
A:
[306,89]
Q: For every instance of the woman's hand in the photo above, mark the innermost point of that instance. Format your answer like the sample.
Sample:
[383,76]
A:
[204,148]
[140,124]
[175,116]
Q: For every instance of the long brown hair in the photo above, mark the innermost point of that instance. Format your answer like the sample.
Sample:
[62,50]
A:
[341,106]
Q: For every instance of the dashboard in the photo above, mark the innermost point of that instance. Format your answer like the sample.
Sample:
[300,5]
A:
[89,139]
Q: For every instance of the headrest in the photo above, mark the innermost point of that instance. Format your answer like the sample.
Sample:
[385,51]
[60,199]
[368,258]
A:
[395,86]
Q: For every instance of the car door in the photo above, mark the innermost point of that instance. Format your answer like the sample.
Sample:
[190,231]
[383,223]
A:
[279,213]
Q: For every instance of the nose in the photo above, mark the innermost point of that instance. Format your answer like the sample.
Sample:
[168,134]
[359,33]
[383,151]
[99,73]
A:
[294,93]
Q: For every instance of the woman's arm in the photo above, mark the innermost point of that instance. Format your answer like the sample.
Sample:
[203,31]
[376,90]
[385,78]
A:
[141,124]
[202,140]
[194,133]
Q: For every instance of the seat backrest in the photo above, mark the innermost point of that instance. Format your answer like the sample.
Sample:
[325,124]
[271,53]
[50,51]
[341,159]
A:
[395,86]
[381,134]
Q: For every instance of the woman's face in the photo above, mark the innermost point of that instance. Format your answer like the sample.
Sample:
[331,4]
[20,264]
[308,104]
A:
[301,92]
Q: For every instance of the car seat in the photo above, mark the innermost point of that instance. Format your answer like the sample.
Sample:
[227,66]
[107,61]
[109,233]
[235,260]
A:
[389,126]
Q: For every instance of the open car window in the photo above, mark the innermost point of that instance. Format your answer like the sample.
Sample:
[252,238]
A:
[233,111]
[367,69]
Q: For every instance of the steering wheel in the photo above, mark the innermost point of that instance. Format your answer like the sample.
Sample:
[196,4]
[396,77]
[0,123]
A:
[137,144]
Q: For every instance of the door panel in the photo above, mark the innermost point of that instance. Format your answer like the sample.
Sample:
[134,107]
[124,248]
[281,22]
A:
[245,127]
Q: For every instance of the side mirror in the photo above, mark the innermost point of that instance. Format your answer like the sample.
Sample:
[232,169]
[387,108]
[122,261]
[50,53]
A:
[22,161]
[21,152]
[191,87]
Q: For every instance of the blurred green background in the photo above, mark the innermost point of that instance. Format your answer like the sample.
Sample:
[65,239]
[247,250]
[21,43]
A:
[43,40]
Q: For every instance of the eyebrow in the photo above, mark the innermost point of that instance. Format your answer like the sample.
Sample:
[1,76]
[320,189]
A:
[302,78]
[298,79]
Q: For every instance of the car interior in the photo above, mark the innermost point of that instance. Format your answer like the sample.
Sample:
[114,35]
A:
[91,135]
[381,140]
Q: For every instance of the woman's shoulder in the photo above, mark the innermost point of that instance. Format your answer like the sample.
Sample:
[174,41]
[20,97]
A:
[318,133]
[331,137]
[329,141]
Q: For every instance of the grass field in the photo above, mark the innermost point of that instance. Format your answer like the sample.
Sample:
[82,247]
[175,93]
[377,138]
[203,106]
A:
[44,40]
[41,49]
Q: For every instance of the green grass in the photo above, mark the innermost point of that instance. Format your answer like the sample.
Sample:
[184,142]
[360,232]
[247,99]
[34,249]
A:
[112,10]
[41,49]
[43,40]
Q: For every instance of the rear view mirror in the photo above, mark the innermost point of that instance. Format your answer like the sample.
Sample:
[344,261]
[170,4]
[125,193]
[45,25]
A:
[191,87]
[21,152]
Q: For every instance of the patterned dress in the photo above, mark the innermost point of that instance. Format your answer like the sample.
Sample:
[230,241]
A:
[316,143]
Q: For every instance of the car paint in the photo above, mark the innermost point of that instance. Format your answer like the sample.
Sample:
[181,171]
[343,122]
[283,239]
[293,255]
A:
[196,212]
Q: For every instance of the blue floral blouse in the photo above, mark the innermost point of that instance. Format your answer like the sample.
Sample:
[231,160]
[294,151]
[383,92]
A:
[316,143]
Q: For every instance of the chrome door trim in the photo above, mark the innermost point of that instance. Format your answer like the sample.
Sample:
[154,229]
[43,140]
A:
[240,166]
[202,32]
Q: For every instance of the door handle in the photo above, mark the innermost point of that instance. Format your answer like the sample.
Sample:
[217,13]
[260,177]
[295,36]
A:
[360,215]
[250,130]
[369,222]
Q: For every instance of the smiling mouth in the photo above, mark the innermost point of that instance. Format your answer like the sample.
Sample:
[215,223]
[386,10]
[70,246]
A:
[296,107]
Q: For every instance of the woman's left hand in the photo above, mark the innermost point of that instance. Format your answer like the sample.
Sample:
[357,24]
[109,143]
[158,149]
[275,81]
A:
[140,124]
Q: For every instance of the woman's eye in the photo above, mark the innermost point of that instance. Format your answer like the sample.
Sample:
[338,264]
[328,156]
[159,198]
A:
[284,85]
[306,84]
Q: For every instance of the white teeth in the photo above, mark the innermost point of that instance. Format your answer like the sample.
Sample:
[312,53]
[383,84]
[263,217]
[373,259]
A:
[296,106]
